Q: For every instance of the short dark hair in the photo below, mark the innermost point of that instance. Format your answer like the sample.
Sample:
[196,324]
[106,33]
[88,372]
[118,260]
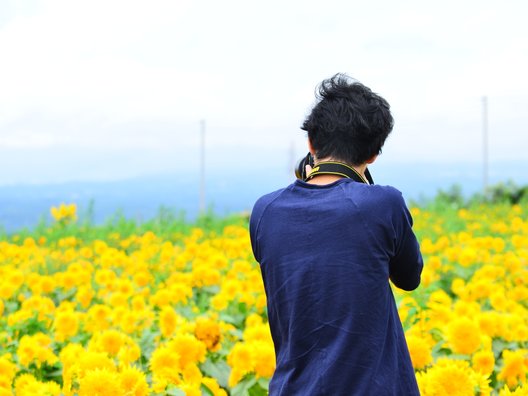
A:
[349,123]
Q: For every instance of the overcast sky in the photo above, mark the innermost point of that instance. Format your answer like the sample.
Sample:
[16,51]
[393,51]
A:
[107,89]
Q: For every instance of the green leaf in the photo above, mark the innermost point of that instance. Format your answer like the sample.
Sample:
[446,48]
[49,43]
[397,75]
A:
[243,387]
[264,383]
[147,343]
[437,347]
[219,370]
[173,391]
[206,391]
[258,389]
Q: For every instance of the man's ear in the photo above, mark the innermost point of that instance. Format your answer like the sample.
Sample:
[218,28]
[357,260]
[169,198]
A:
[310,148]
[372,159]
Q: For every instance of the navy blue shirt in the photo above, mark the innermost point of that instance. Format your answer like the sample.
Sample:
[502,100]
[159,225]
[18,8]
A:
[326,254]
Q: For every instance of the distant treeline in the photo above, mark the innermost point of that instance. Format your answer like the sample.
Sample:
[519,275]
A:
[168,222]
[501,193]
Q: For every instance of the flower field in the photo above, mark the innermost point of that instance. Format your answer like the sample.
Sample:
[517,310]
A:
[177,309]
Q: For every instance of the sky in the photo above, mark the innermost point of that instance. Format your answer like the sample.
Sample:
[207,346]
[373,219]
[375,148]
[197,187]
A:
[110,89]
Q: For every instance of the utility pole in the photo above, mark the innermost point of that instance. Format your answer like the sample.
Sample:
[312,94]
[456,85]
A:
[291,162]
[202,167]
[485,150]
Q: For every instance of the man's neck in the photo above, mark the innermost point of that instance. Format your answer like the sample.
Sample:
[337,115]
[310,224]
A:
[327,179]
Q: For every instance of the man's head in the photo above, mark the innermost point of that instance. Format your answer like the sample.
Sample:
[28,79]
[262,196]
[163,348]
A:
[349,123]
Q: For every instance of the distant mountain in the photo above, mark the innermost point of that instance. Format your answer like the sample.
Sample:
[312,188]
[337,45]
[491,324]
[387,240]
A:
[140,198]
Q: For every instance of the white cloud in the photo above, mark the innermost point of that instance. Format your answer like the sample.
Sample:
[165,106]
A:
[131,75]
[27,140]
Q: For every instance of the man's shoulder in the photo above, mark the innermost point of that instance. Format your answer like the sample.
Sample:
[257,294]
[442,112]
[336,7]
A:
[389,193]
[257,213]
[267,199]
[376,194]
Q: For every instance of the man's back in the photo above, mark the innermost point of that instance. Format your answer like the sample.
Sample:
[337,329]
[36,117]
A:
[326,254]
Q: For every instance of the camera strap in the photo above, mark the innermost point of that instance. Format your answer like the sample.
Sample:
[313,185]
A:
[340,169]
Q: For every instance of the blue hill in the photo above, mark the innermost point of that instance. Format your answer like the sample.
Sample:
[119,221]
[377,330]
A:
[140,198]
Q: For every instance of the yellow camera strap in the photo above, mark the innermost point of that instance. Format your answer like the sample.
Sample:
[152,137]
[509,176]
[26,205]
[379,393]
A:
[340,169]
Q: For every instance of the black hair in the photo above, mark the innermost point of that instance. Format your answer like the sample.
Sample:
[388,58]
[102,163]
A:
[349,123]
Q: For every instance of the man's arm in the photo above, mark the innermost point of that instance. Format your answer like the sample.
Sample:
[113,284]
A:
[406,266]
[254,221]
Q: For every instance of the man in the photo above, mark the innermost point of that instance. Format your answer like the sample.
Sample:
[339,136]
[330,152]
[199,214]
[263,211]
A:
[327,248]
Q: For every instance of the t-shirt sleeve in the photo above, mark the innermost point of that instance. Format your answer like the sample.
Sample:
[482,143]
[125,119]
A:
[254,221]
[259,209]
[406,265]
